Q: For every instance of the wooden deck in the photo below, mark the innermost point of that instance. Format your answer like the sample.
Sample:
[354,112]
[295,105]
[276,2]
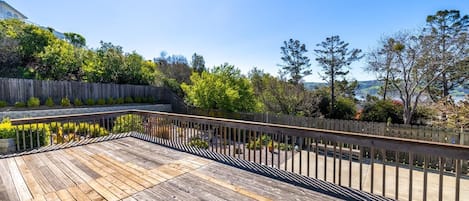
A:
[132,169]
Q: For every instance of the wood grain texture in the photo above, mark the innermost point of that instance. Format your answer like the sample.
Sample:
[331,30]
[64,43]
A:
[131,169]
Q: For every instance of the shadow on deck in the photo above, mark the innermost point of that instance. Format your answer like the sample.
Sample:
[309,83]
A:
[135,168]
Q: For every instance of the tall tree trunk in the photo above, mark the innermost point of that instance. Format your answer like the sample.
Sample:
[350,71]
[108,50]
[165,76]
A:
[332,93]
[386,85]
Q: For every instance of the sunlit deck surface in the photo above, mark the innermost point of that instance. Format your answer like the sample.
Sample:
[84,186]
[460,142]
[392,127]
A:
[133,169]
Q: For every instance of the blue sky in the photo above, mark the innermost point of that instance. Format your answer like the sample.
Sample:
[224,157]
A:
[245,33]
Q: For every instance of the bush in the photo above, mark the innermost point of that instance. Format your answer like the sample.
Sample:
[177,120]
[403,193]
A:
[144,100]
[138,99]
[77,102]
[151,100]
[33,102]
[20,104]
[198,143]
[65,102]
[127,123]
[381,111]
[6,130]
[3,104]
[129,99]
[101,101]
[120,101]
[344,108]
[255,144]
[110,101]
[49,102]
[90,101]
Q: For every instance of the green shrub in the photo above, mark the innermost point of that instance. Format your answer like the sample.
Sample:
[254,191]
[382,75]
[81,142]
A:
[138,99]
[128,99]
[65,102]
[3,104]
[20,104]
[127,123]
[77,102]
[198,143]
[101,101]
[90,101]
[110,101]
[49,102]
[120,101]
[255,144]
[381,111]
[344,108]
[6,130]
[144,100]
[33,102]
[151,100]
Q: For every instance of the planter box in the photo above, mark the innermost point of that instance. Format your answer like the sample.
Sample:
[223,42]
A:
[7,145]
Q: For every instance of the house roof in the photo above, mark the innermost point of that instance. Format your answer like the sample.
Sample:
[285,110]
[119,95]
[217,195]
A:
[11,7]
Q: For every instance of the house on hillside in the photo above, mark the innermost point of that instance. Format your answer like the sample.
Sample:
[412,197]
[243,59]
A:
[7,12]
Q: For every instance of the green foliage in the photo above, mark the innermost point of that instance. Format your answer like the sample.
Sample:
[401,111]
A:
[296,64]
[129,99]
[334,56]
[77,102]
[198,143]
[254,144]
[49,102]
[6,129]
[344,108]
[138,99]
[20,104]
[381,111]
[110,101]
[150,99]
[90,102]
[144,100]
[3,104]
[65,102]
[223,88]
[120,101]
[127,123]
[101,101]
[198,63]
[33,102]
[30,51]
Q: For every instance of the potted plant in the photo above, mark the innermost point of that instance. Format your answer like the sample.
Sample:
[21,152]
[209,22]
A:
[7,137]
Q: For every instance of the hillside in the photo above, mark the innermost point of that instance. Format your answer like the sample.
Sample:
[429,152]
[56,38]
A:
[372,87]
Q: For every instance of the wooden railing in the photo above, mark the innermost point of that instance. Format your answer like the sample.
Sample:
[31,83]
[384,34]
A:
[371,163]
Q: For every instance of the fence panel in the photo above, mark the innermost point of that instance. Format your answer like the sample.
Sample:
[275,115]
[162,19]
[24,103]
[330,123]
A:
[20,90]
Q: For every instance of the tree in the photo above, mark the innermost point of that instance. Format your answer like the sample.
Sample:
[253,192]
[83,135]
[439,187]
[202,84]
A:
[296,64]
[222,88]
[280,96]
[333,55]
[61,61]
[110,63]
[198,63]
[447,35]
[174,67]
[411,73]
[10,57]
[380,60]
[75,39]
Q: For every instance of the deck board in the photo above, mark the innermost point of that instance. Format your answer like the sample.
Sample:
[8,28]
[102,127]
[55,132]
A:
[132,169]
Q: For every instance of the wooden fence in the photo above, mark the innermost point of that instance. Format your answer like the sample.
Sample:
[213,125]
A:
[13,90]
[427,133]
